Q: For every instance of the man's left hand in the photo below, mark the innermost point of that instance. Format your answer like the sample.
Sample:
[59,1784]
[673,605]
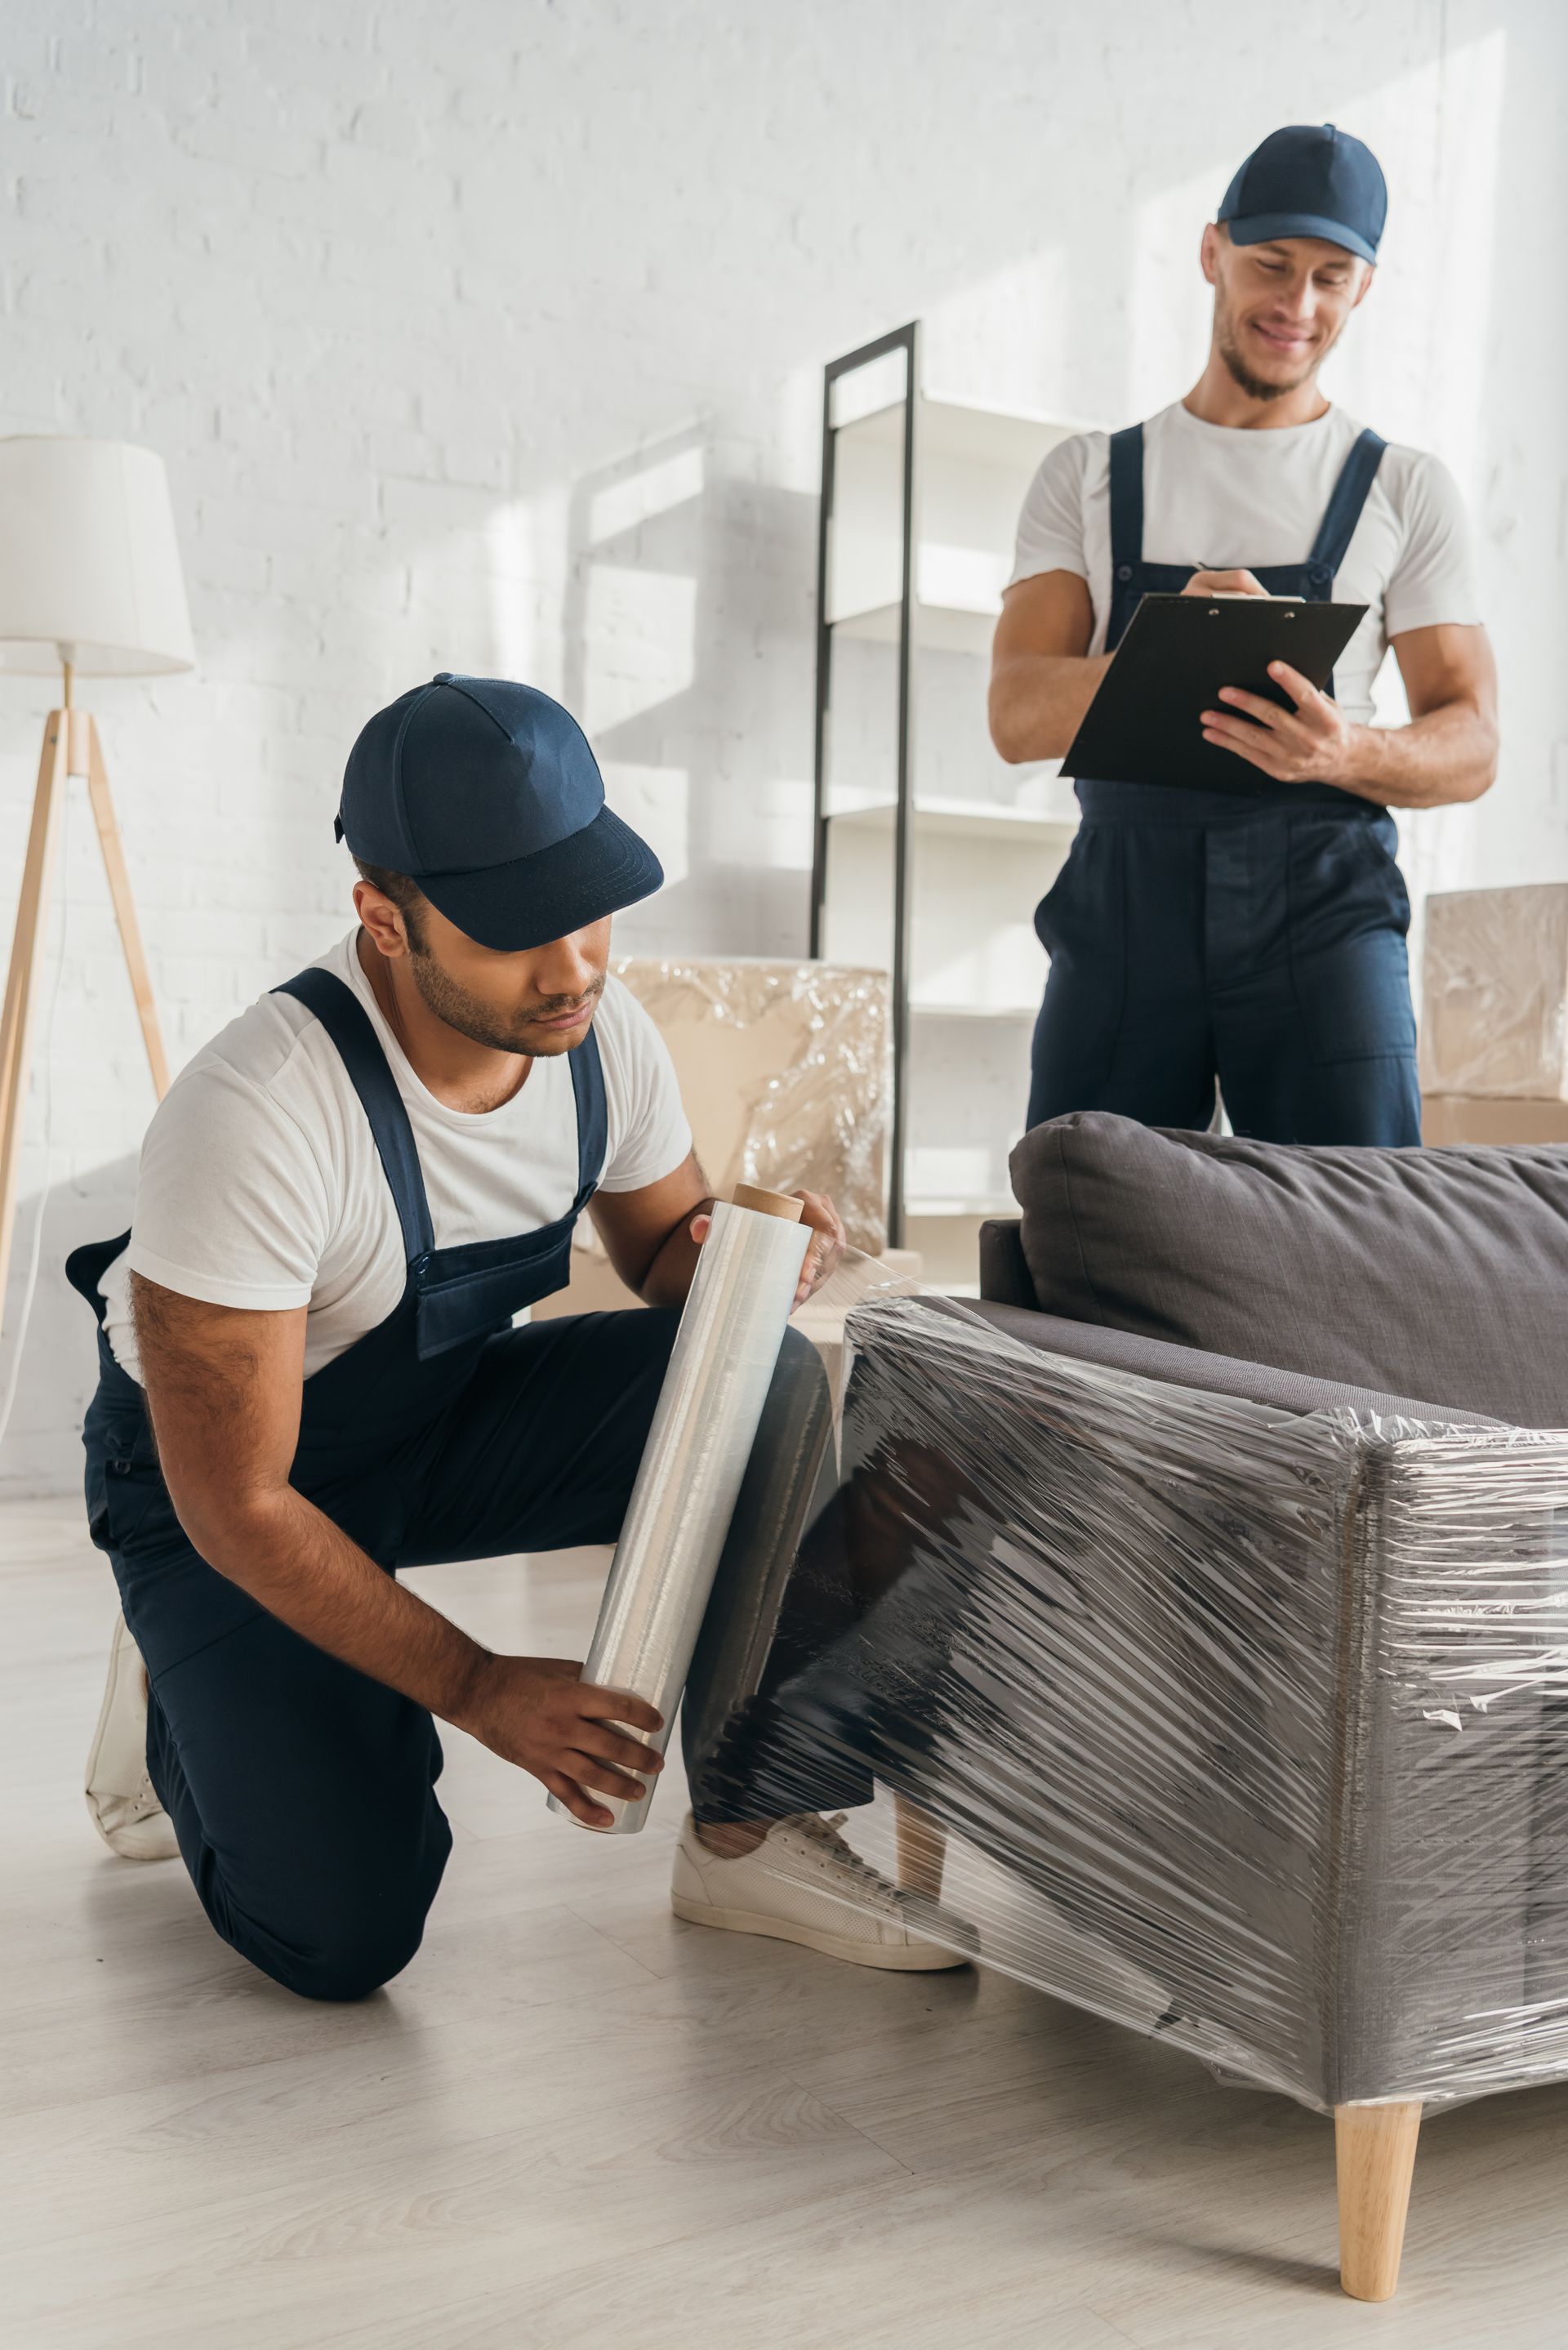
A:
[826,1250]
[1313,743]
[827,1245]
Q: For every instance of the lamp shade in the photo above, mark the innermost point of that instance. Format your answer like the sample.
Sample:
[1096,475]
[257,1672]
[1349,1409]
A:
[89,567]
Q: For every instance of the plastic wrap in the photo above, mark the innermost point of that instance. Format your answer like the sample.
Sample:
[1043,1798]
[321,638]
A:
[1245,1727]
[690,1477]
[1494,993]
[784,1071]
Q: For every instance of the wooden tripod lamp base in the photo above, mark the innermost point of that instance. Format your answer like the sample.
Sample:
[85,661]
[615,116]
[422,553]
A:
[90,583]
[71,747]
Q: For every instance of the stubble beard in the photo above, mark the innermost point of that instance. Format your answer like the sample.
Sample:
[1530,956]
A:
[476,1020]
[1257,387]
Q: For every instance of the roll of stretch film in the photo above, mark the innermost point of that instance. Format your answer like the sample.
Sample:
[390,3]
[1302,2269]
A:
[697,1447]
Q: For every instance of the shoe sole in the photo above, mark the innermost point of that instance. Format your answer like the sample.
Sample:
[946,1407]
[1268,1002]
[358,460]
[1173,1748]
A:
[149,1839]
[908,1959]
[152,1837]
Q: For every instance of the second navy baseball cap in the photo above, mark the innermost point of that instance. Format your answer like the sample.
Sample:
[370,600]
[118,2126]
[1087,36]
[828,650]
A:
[1309,180]
[487,795]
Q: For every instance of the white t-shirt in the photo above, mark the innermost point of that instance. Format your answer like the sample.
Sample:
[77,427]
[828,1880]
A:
[260,1185]
[1219,499]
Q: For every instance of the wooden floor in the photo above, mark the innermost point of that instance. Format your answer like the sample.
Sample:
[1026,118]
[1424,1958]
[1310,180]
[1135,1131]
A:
[573,2121]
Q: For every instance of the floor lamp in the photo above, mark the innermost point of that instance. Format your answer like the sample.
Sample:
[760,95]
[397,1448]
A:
[91,584]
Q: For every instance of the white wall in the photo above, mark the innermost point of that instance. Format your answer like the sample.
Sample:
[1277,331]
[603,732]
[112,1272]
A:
[489,338]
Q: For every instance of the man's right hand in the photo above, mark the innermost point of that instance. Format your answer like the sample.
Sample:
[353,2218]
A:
[224,1386]
[1224,583]
[540,1713]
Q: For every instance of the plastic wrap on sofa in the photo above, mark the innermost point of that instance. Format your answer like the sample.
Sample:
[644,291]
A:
[1245,1726]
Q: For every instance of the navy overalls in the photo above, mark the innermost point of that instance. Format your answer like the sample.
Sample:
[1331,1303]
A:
[301,1793]
[1256,938]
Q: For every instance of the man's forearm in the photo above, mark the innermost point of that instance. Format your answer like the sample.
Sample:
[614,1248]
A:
[306,1572]
[1449,755]
[669,1277]
[1038,702]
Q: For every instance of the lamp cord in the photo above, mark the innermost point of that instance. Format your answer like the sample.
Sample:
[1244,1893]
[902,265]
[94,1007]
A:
[30,1287]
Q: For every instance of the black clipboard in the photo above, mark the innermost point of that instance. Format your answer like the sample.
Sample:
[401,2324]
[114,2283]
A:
[1142,726]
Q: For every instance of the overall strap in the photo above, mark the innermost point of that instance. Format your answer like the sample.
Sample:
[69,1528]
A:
[348,1023]
[592,1122]
[86,1267]
[1126,501]
[1344,511]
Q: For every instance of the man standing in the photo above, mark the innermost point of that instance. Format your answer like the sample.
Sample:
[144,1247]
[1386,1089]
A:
[1256,938]
[309,1374]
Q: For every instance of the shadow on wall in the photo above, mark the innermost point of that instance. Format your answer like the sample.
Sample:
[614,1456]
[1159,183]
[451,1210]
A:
[687,604]
[42,1449]
[686,607]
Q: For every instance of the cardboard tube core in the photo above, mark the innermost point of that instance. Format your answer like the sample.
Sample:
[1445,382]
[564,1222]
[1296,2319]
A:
[768,1203]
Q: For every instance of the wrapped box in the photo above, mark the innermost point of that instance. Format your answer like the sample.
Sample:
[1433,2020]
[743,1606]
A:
[1494,1002]
[785,1069]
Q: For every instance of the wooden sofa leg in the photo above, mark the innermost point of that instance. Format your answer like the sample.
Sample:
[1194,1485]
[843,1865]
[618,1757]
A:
[922,1848]
[1375,2148]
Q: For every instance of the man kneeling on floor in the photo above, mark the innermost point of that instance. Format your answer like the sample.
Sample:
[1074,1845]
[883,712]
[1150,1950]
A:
[309,1375]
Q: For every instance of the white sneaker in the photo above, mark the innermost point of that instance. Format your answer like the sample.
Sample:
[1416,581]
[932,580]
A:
[803,1883]
[120,1798]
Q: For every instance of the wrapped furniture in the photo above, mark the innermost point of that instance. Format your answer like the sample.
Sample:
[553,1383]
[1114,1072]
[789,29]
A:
[1206,1586]
[1494,1016]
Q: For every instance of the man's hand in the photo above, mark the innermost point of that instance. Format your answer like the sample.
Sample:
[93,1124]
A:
[1224,583]
[825,1252]
[1315,743]
[540,1713]
[225,1387]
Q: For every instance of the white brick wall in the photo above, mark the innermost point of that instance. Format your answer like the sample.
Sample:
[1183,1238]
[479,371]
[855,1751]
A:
[489,338]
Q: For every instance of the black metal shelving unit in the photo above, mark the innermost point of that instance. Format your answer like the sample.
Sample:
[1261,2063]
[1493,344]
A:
[908,341]
[921,495]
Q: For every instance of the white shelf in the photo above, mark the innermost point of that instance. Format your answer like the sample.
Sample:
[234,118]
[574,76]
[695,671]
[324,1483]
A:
[969,819]
[975,468]
[976,1010]
[965,434]
[946,628]
[988,1204]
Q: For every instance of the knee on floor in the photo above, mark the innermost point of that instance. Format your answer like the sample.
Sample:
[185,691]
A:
[349,1964]
[348,1915]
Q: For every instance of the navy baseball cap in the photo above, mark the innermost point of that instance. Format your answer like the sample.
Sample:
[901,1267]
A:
[487,795]
[1309,180]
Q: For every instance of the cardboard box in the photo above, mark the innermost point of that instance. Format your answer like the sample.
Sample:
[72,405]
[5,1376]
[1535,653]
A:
[785,1069]
[1494,995]
[1461,1117]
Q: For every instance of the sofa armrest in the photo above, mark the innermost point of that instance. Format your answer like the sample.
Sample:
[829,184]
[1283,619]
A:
[1190,1366]
[1007,1300]
[1004,1277]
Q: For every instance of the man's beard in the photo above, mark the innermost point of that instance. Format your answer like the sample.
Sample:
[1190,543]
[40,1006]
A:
[1257,387]
[470,1017]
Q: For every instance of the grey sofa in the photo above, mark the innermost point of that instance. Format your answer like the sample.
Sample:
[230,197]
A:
[1234,1517]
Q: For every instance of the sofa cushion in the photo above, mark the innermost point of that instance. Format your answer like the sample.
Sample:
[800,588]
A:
[1439,1273]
